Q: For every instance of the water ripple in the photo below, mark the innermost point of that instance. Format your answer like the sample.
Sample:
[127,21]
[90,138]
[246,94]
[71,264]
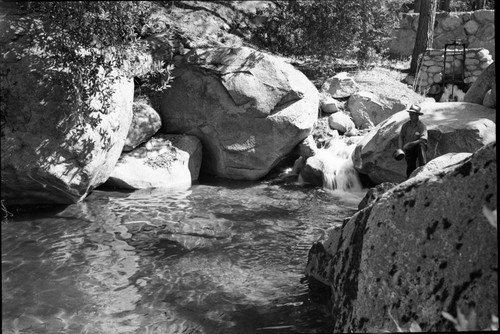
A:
[218,258]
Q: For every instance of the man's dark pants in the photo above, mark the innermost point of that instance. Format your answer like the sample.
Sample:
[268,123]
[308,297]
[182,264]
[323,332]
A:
[417,153]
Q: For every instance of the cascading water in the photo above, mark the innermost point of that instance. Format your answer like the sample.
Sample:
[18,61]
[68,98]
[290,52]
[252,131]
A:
[337,168]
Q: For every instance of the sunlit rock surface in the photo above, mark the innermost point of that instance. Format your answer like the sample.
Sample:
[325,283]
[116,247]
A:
[51,153]
[340,85]
[341,122]
[439,163]
[481,86]
[452,127]
[368,109]
[422,248]
[145,123]
[248,108]
[165,161]
[54,148]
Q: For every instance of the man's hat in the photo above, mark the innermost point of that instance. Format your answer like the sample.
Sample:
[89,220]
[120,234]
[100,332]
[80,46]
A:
[415,109]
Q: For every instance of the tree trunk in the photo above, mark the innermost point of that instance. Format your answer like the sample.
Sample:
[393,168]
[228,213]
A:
[425,32]
[417,6]
[445,5]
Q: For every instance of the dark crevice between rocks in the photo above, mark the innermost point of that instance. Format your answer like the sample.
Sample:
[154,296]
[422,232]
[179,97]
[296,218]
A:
[464,170]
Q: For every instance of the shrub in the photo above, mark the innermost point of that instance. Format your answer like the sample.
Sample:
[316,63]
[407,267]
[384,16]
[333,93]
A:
[343,28]
[86,46]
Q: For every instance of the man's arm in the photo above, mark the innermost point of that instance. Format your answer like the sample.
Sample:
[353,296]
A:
[400,138]
[421,140]
[423,134]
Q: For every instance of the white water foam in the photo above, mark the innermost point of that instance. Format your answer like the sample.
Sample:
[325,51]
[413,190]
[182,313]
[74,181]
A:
[338,168]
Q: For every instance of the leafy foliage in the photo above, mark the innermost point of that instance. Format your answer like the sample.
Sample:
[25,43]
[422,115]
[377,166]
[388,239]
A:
[85,46]
[342,28]
[469,5]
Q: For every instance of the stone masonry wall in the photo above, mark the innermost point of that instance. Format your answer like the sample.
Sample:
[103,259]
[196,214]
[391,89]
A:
[463,73]
[477,29]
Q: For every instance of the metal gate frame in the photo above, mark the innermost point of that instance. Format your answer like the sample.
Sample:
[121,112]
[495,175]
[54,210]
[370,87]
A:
[455,44]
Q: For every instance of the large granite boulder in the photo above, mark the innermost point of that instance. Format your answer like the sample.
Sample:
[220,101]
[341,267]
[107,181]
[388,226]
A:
[145,123]
[452,126]
[51,153]
[368,109]
[439,163]
[490,98]
[375,193]
[55,145]
[165,161]
[481,86]
[422,248]
[248,108]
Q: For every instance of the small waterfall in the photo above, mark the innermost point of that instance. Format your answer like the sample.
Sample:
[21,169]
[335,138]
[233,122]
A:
[337,167]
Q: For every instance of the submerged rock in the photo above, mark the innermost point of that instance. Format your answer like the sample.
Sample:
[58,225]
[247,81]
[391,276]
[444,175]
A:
[423,248]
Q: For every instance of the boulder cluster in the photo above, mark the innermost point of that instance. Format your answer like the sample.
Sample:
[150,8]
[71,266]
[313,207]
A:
[416,247]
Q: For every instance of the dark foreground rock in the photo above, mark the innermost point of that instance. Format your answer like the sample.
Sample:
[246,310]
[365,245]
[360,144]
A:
[422,248]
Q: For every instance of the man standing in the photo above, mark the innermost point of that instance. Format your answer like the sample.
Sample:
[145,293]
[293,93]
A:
[413,140]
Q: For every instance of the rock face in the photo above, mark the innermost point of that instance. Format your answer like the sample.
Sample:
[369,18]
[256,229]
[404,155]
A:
[490,98]
[341,122]
[339,86]
[165,161]
[368,109]
[481,86]
[415,252]
[52,152]
[307,148]
[145,123]
[249,109]
[452,127]
[328,104]
[53,159]
[375,193]
[439,163]
[55,145]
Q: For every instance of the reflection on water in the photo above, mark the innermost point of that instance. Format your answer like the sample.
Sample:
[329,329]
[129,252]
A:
[217,258]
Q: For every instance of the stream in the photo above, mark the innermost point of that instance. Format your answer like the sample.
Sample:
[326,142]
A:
[218,257]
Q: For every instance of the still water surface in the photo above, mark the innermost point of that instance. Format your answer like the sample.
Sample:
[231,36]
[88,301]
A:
[214,258]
